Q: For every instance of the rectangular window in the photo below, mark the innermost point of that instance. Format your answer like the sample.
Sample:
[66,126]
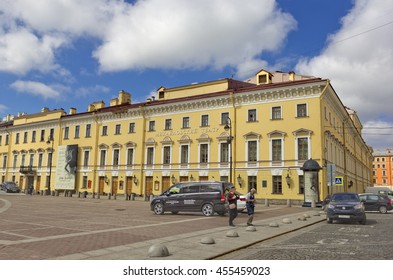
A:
[152,125]
[1,139]
[224,152]
[184,154]
[252,150]
[25,135]
[84,182]
[15,162]
[77,128]
[301,184]
[302,148]
[131,128]
[301,110]
[66,132]
[51,133]
[224,118]
[5,162]
[168,124]
[150,156]
[7,139]
[186,122]
[40,156]
[86,156]
[31,162]
[277,184]
[116,154]
[204,153]
[17,138]
[276,150]
[88,130]
[33,136]
[117,129]
[102,158]
[205,120]
[252,115]
[104,130]
[276,113]
[48,163]
[252,182]
[167,155]
[42,136]
[130,156]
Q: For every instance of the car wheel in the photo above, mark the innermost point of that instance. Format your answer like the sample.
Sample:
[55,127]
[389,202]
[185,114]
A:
[383,209]
[329,220]
[207,209]
[158,208]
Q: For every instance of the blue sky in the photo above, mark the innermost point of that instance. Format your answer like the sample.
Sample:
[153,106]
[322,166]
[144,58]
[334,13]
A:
[62,54]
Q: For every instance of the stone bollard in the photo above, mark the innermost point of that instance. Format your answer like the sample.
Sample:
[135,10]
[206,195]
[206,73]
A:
[313,204]
[133,196]
[151,197]
[266,202]
[289,203]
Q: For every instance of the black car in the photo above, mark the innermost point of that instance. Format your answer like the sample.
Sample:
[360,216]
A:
[376,202]
[206,197]
[10,187]
[345,206]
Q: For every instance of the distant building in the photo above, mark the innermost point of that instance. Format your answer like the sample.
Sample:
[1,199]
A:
[256,133]
[382,168]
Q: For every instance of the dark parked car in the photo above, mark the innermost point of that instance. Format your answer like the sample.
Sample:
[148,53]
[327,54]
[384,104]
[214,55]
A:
[376,202]
[345,206]
[206,197]
[10,187]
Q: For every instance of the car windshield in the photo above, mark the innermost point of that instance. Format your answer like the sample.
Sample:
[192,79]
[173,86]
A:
[345,197]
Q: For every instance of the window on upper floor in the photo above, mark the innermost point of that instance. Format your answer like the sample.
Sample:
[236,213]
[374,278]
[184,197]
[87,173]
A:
[224,118]
[152,125]
[131,128]
[168,124]
[118,129]
[25,135]
[252,151]
[186,122]
[104,130]
[205,120]
[204,153]
[301,110]
[252,115]
[88,130]
[166,155]
[77,130]
[276,113]
[66,132]
[42,136]
[17,138]
[33,136]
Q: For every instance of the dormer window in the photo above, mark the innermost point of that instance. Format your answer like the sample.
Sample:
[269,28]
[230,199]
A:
[161,95]
[262,79]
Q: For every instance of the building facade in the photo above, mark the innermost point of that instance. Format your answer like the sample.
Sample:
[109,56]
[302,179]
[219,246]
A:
[382,168]
[257,133]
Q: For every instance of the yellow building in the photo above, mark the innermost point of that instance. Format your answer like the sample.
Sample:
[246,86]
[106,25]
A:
[256,134]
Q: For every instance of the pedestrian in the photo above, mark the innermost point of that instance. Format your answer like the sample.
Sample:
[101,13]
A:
[250,205]
[232,198]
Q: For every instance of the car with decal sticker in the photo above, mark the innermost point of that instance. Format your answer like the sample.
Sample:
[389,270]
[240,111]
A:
[205,196]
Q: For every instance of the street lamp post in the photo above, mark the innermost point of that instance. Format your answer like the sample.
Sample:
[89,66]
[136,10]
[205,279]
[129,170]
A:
[49,141]
[229,142]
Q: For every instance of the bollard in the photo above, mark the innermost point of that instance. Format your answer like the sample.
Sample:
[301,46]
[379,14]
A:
[151,197]
[313,204]
[289,203]
[266,202]
[133,196]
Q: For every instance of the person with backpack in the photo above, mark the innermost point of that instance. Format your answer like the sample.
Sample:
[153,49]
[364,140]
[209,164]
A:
[232,198]
[250,205]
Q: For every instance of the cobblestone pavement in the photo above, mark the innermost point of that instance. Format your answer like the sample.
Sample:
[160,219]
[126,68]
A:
[48,227]
[322,241]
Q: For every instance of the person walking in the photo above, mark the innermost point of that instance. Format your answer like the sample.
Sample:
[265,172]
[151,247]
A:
[232,198]
[250,205]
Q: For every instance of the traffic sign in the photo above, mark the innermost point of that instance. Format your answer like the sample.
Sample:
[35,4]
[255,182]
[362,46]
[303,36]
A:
[339,181]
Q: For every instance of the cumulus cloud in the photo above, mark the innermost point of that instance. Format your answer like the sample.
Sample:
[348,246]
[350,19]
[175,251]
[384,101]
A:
[176,34]
[93,90]
[358,60]
[36,89]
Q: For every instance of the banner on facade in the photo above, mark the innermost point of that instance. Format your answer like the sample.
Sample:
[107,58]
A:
[66,167]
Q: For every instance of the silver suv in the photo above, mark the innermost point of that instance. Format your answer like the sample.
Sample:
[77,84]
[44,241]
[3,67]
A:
[205,196]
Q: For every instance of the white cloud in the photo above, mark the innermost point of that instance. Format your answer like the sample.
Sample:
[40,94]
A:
[378,134]
[36,89]
[358,60]
[192,34]
[93,90]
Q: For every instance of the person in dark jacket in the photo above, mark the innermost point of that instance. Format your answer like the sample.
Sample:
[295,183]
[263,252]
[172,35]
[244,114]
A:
[232,198]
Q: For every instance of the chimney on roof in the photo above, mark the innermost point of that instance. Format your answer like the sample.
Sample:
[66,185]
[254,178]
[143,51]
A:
[72,111]
[292,76]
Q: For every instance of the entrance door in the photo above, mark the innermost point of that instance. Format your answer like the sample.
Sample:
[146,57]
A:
[115,185]
[38,185]
[149,185]
[166,182]
[101,185]
[21,183]
[183,179]
[128,185]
